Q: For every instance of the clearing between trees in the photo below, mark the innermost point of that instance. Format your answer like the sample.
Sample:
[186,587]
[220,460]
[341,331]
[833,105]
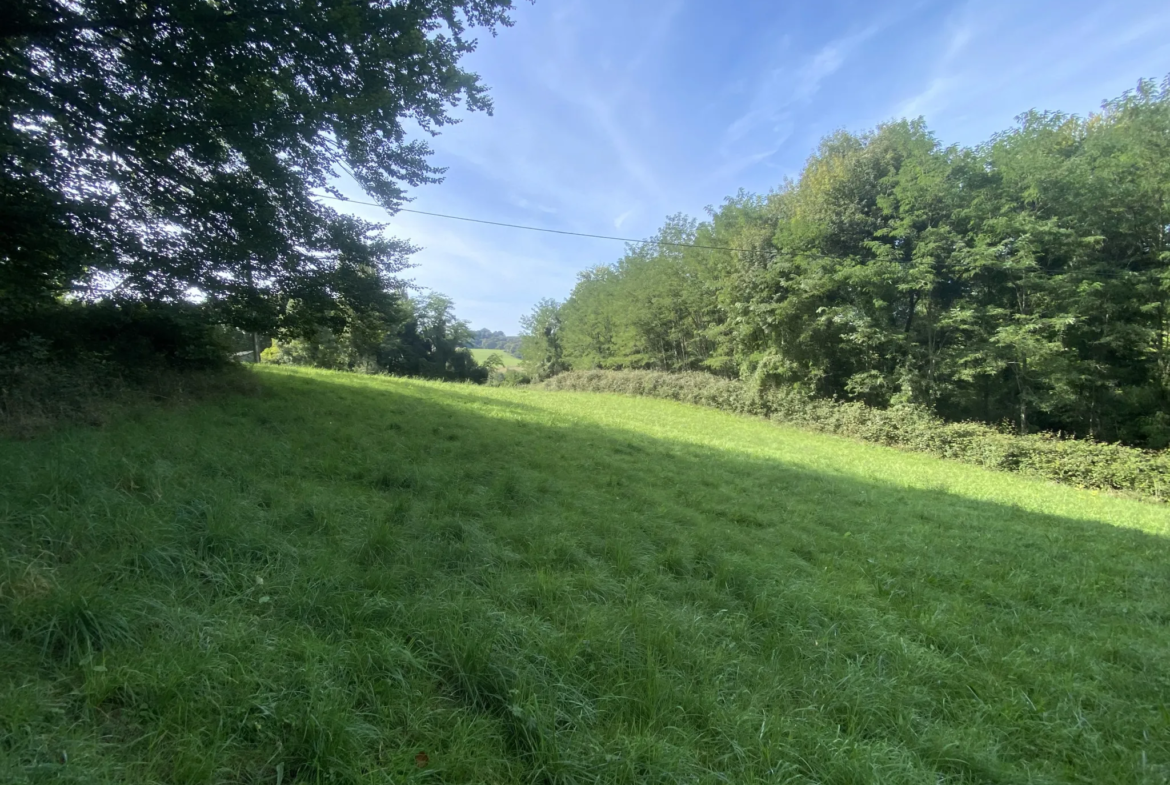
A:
[351,578]
[509,360]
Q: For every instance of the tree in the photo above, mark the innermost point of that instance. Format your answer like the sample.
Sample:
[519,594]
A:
[540,340]
[162,148]
[414,337]
[435,323]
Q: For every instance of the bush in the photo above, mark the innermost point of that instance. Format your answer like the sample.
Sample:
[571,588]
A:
[81,361]
[508,377]
[1078,462]
[36,395]
[137,337]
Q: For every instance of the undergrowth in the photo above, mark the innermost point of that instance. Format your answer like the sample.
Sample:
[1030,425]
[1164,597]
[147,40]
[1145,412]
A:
[38,395]
[87,362]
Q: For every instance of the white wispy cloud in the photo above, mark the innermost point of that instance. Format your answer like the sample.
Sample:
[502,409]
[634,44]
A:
[995,55]
[946,74]
[621,219]
[787,86]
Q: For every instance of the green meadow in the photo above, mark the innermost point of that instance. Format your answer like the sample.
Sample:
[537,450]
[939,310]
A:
[509,360]
[355,579]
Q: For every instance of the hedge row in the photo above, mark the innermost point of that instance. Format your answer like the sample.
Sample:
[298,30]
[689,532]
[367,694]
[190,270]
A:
[1077,462]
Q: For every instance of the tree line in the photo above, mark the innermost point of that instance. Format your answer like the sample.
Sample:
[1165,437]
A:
[1021,281]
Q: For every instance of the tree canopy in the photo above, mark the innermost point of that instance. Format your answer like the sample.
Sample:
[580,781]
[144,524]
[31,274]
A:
[1024,280]
[173,147]
[419,336]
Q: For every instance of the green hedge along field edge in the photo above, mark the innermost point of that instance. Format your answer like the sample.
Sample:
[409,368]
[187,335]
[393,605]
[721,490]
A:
[1078,462]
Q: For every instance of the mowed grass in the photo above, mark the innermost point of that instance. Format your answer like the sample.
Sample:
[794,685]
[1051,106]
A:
[356,579]
[509,360]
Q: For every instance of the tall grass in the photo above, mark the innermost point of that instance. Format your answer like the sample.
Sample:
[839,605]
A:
[37,396]
[355,579]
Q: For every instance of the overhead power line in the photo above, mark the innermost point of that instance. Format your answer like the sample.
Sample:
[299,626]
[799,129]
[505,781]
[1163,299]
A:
[540,229]
[1110,273]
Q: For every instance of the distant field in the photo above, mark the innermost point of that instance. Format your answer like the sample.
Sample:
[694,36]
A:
[510,360]
[358,579]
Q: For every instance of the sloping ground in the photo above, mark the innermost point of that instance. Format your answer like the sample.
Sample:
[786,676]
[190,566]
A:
[355,579]
[509,360]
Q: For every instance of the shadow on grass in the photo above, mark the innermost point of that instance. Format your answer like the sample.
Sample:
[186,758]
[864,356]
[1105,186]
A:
[571,603]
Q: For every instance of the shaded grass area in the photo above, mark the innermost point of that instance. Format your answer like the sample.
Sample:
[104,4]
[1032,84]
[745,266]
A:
[38,396]
[321,583]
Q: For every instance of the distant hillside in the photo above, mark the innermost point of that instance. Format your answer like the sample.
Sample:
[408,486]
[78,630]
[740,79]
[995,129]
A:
[487,339]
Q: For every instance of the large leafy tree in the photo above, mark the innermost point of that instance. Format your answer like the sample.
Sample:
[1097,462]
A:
[164,147]
[541,343]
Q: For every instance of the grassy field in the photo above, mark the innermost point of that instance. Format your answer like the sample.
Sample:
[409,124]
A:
[358,580]
[510,360]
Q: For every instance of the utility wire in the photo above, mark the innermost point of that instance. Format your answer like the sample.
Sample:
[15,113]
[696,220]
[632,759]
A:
[1110,273]
[539,229]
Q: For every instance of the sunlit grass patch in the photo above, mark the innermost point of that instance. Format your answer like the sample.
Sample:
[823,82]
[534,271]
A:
[508,359]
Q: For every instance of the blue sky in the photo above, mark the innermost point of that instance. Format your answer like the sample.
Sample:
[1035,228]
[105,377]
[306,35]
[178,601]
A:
[612,114]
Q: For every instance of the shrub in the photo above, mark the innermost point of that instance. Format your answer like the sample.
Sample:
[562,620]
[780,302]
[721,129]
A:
[1079,462]
[81,361]
[509,377]
[137,337]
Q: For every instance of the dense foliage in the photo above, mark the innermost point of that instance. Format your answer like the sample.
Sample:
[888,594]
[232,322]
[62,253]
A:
[163,148]
[134,336]
[541,343]
[1077,462]
[1024,280]
[83,361]
[422,337]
